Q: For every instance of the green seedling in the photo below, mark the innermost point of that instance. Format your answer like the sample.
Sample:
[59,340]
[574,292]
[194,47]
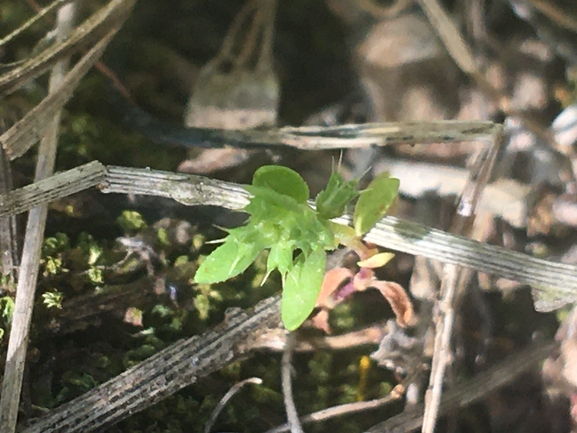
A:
[296,235]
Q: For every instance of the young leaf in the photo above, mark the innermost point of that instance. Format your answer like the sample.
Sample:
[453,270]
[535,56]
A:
[310,232]
[376,261]
[280,257]
[332,201]
[302,287]
[282,180]
[265,201]
[374,202]
[345,235]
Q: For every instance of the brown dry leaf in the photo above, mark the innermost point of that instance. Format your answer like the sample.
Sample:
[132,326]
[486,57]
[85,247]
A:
[399,300]
[321,321]
[333,279]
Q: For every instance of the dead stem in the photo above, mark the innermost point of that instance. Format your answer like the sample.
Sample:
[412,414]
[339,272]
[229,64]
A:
[453,282]
[28,272]
[224,400]
[345,409]
[286,370]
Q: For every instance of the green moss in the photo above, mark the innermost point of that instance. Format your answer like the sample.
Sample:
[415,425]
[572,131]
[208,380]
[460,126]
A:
[53,299]
[6,308]
[131,221]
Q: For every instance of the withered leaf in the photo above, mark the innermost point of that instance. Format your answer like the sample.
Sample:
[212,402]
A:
[399,300]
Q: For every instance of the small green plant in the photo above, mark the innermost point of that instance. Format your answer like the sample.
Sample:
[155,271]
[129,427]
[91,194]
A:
[6,308]
[53,299]
[131,221]
[296,235]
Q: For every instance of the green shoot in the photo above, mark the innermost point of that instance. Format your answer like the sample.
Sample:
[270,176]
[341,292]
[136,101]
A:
[296,235]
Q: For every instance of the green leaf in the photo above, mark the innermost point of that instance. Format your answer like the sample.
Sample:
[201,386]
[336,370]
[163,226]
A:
[332,201]
[302,288]
[308,233]
[282,180]
[265,202]
[344,235]
[280,257]
[376,261]
[374,202]
[231,258]
[279,217]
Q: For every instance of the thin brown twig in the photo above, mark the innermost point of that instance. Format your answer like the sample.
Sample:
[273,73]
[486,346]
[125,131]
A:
[453,280]
[224,400]
[350,136]
[28,273]
[249,44]
[226,51]
[111,14]
[346,409]
[8,232]
[101,67]
[31,128]
[561,17]
[274,340]
[40,13]
[266,55]
[287,389]
[116,11]
[379,11]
